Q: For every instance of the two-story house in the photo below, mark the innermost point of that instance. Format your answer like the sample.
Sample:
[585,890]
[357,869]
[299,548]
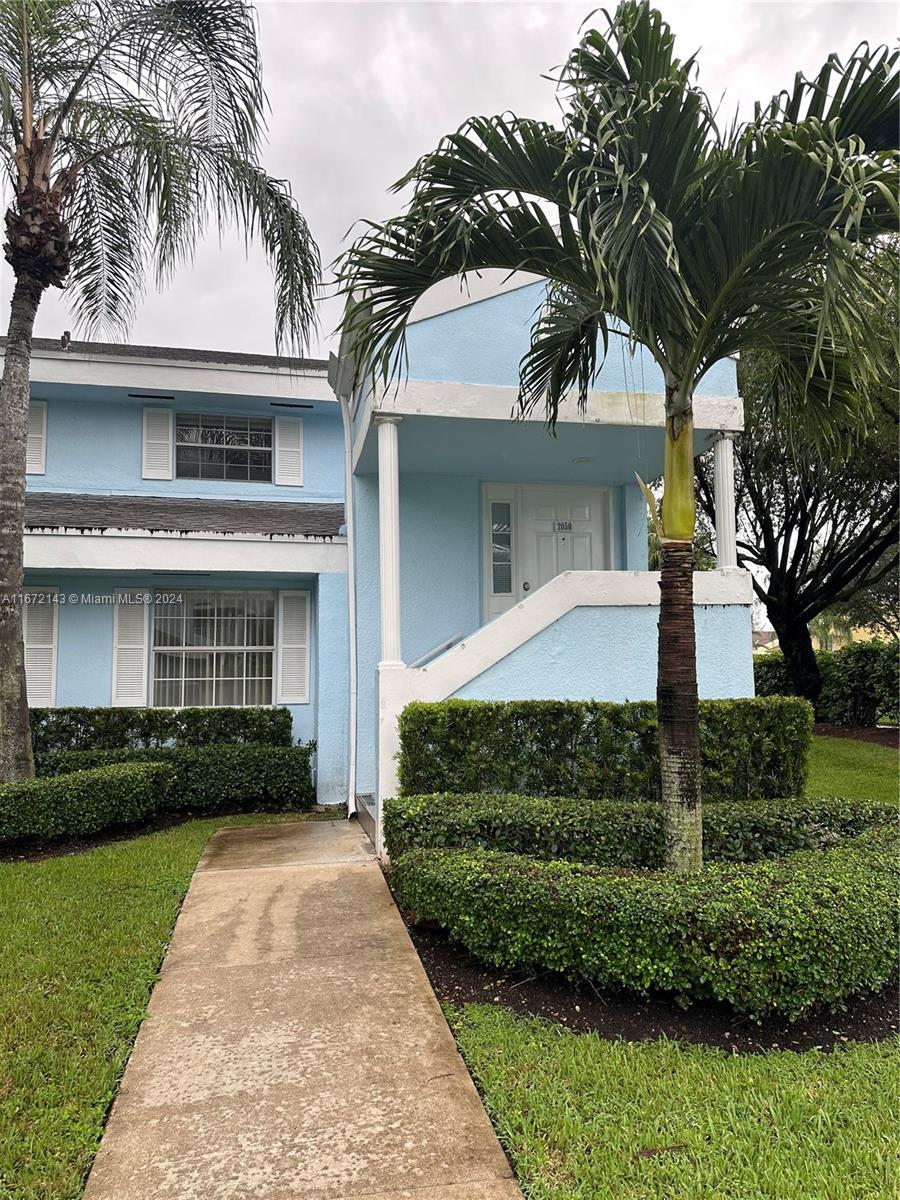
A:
[212,528]
[185,536]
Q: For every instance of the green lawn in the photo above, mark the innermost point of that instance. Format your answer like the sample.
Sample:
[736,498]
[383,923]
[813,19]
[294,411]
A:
[843,767]
[82,937]
[588,1119]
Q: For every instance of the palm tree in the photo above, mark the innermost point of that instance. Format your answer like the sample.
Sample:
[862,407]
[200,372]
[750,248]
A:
[124,128]
[651,223]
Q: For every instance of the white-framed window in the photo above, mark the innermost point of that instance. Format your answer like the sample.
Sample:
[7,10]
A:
[237,449]
[211,647]
[214,648]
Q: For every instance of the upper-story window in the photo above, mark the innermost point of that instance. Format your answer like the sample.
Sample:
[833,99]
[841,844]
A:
[213,447]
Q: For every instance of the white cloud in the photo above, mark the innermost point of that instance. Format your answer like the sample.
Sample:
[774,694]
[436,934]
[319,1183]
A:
[359,91]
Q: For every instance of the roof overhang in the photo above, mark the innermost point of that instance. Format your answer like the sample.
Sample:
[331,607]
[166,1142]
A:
[119,550]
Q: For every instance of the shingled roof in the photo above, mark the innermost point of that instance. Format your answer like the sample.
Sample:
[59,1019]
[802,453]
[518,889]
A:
[163,514]
[177,354]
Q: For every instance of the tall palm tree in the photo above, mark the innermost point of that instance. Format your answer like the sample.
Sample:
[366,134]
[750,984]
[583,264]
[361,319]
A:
[650,222]
[125,128]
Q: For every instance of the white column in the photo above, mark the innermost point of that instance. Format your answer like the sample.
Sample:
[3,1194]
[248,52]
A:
[389,537]
[726,530]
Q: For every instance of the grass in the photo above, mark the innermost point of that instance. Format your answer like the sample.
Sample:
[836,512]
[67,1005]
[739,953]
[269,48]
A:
[585,1119]
[858,770]
[82,936]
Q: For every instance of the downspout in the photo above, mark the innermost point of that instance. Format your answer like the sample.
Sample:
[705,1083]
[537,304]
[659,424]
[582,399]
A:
[351,599]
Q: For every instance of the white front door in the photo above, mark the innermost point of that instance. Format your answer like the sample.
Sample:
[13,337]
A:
[536,532]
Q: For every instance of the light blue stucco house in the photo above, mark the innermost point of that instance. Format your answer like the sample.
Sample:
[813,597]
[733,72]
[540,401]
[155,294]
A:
[216,528]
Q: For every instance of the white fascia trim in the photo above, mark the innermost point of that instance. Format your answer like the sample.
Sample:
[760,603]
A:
[362,432]
[140,550]
[481,402]
[165,375]
[572,589]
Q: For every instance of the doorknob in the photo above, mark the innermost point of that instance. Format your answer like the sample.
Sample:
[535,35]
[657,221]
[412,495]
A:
[526,586]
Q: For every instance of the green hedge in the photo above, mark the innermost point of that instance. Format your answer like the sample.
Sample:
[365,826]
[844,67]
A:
[771,937]
[751,749]
[860,682]
[115,728]
[83,802]
[614,833]
[207,779]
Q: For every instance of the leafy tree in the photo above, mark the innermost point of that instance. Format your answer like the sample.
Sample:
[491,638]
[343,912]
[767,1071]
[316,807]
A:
[819,532]
[125,128]
[650,221]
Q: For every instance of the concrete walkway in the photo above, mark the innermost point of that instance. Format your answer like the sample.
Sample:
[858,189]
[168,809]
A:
[294,1047]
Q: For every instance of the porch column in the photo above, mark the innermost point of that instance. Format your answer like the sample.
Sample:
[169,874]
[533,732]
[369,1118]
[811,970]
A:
[726,528]
[389,537]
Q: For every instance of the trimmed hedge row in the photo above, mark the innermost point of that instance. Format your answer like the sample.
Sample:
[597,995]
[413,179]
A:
[751,749]
[612,833]
[84,802]
[769,937]
[860,682]
[115,728]
[208,779]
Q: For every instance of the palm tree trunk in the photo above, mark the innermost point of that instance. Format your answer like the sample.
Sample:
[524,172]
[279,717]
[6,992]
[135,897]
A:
[676,685]
[16,759]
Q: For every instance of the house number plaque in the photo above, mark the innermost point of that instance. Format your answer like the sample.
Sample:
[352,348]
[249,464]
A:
[562,526]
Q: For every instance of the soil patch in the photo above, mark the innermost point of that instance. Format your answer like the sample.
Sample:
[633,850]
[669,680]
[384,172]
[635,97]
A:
[458,978]
[879,735]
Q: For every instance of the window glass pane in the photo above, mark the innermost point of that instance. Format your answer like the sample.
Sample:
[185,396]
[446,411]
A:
[258,691]
[260,619]
[259,664]
[230,691]
[222,673]
[502,579]
[236,431]
[212,463]
[200,619]
[230,618]
[198,693]
[187,427]
[212,430]
[500,521]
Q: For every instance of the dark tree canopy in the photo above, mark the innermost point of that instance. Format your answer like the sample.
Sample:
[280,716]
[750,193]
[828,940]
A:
[819,531]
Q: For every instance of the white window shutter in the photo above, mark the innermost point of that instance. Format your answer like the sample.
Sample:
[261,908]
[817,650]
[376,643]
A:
[289,451]
[293,648]
[36,445]
[129,677]
[40,629]
[156,449]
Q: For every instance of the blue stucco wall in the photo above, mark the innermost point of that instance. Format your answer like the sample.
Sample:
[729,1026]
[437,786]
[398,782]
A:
[94,446]
[610,654]
[85,653]
[484,343]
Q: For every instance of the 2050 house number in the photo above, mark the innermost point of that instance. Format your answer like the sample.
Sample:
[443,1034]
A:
[562,526]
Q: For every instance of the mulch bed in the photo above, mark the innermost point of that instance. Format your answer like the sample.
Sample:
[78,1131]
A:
[458,978]
[879,735]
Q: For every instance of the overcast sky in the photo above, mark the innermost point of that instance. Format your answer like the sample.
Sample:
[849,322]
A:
[359,90]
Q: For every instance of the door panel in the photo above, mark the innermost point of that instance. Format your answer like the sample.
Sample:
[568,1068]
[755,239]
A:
[539,532]
[561,529]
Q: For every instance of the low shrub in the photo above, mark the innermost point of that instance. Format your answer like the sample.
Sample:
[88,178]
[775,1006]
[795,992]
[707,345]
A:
[116,728]
[208,779]
[750,749]
[615,833]
[83,802]
[860,682]
[773,937]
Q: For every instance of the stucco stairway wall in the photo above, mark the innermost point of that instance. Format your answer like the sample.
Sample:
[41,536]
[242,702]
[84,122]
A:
[610,653]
